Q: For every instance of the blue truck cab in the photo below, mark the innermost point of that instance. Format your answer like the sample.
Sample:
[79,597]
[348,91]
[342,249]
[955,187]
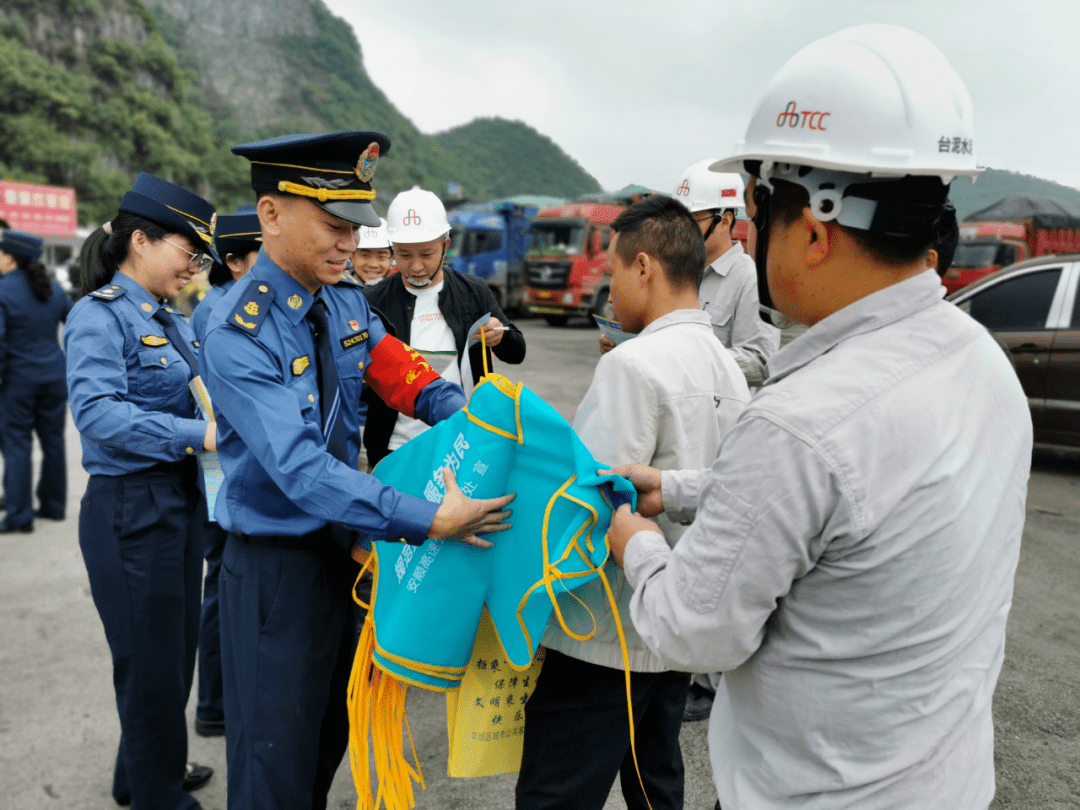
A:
[489,241]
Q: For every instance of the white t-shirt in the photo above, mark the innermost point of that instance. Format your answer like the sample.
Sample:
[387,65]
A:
[431,336]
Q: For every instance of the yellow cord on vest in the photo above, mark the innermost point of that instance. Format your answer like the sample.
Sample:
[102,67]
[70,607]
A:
[376,698]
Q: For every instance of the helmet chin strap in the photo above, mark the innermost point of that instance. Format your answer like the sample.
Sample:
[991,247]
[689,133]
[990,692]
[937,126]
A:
[427,281]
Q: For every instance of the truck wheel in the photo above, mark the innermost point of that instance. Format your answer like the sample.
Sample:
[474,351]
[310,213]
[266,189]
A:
[602,307]
[556,320]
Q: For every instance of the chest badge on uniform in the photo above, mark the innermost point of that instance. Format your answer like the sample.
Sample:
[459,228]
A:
[354,325]
[300,364]
[295,301]
[154,340]
[251,308]
[147,308]
[354,340]
[365,165]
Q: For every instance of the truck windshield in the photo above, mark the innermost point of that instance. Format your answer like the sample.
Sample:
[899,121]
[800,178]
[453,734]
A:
[974,254]
[474,242]
[557,238]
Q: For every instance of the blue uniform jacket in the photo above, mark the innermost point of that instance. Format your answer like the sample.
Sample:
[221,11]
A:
[127,385]
[202,312]
[29,348]
[258,360]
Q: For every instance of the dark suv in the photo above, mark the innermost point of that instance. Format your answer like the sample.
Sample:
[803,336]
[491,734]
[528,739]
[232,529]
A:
[1034,308]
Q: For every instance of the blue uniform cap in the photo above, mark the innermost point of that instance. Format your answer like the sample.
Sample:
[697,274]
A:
[20,243]
[173,207]
[238,234]
[333,171]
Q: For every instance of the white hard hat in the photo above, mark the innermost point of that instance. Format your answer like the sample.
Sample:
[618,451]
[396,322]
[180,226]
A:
[877,99]
[372,238]
[702,190]
[416,216]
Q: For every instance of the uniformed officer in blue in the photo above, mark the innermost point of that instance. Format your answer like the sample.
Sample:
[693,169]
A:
[285,354]
[130,360]
[33,392]
[237,240]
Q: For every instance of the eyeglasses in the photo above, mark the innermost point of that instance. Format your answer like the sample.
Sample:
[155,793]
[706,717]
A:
[202,262]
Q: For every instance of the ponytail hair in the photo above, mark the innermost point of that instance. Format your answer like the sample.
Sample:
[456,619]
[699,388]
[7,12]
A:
[107,248]
[40,283]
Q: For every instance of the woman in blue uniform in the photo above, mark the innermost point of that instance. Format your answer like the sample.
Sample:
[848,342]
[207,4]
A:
[130,360]
[33,393]
[237,239]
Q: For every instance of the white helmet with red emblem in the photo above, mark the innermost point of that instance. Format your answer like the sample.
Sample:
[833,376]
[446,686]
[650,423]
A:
[876,99]
[416,216]
[702,190]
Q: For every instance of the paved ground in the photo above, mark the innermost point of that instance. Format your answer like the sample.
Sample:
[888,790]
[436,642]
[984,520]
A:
[58,725]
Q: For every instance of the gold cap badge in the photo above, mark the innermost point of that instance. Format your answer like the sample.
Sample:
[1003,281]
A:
[365,164]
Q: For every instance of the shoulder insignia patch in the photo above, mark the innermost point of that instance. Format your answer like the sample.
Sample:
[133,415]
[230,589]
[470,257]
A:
[110,292]
[251,307]
[153,340]
[300,364]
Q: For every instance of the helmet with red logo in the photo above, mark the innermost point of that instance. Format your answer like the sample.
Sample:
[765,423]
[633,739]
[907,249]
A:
[867,104]
[373,238]
[702,190]
[416,216]
[876,99]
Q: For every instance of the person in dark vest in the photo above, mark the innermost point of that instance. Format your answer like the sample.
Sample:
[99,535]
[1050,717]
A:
[33,392]
[431,308]
[130,361]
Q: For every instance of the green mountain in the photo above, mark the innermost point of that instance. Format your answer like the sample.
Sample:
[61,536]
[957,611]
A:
[95,91]
[993,184]
[510,158]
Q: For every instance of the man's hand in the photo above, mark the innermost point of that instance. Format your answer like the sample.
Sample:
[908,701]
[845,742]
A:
[493,333]
[606,344]
[209,441]
[624,525]
[646,481]
[463,518]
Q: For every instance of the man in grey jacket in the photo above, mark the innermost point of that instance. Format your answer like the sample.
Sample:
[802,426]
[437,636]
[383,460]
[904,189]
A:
[851,559]
[664,398]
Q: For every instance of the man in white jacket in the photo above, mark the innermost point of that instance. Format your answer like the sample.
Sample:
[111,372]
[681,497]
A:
[664,398]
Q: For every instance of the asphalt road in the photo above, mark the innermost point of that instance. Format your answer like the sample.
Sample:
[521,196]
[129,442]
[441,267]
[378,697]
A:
[58,723]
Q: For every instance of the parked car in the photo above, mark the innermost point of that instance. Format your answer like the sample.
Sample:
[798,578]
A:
[1034,308]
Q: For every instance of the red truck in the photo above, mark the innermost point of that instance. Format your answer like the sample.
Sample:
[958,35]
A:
[566,266]
[1011,230]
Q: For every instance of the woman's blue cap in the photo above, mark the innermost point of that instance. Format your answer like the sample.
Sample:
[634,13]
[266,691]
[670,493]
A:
[20,243]
[174,208]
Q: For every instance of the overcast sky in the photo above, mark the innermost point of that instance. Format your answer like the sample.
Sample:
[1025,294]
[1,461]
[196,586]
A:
[637,90]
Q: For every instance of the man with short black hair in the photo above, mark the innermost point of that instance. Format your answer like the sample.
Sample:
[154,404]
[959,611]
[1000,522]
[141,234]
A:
[664,398]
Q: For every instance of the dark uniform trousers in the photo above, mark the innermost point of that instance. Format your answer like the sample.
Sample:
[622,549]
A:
[27,407]
[211,706]
[288,636]
[577,737]
[140,536]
